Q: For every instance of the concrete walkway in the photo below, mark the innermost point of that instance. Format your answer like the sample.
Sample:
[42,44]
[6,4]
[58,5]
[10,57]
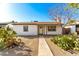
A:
[43,49]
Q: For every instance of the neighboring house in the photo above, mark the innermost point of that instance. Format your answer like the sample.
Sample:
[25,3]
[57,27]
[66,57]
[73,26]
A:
[38,28]
[77,27]
[73,27]
[3,24]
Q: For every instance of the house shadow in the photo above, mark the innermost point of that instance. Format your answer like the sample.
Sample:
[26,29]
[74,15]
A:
[17,51]
[29,37]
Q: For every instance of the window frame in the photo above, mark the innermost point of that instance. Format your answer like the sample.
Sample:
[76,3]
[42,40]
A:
[51,28]
[25,28]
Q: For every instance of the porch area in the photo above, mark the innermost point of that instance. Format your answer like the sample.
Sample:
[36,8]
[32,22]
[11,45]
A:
[49,29]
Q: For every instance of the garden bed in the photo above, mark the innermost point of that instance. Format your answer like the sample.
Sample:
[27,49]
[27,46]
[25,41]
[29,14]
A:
[58,51]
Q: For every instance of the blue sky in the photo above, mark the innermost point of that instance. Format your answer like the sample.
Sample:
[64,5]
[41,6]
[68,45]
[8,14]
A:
[31,11]
[26,12]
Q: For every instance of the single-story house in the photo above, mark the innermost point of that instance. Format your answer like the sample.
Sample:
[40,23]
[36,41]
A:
[41,28]
[38,28]
[74,27]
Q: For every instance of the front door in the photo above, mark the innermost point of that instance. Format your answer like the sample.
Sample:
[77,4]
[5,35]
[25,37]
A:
[40,30]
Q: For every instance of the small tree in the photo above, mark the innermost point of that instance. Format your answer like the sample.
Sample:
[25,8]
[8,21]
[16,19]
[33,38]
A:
[56,13]
[74,5]
[62,13]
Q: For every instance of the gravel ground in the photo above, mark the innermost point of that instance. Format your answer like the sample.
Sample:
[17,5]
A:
[30,49]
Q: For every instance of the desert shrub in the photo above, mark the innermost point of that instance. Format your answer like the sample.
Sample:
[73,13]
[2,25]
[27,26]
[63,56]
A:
[55,40]
[66,42]
[2,44]
[76,44]
[8,38]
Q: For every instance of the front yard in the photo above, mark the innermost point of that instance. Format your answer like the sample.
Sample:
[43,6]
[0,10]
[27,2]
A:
[58,51]
[30,48]
[13,45]
[32,43]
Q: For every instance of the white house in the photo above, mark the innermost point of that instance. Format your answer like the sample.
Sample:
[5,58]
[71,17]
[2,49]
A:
[74,27]
[40,28]
[37,28]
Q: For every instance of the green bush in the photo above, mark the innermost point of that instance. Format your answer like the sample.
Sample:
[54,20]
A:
[66,42]
[8,39]
[6,34]
[76,44]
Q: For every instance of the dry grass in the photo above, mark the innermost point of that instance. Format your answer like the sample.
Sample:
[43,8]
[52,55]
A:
[31,42]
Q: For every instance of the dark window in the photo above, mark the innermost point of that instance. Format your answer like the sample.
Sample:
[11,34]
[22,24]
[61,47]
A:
[51,28]
[25,28]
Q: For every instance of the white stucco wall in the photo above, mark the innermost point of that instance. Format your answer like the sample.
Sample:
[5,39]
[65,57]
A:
[32,30]
[73,29]
[58,31]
